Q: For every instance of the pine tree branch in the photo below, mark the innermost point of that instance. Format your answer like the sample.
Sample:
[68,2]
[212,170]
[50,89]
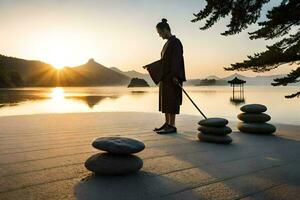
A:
[292,77]
[297,94]
[270,59]
[280,20]
[243,13]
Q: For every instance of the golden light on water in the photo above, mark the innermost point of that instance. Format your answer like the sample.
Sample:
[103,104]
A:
[57,94]
[120,99]
[58,103]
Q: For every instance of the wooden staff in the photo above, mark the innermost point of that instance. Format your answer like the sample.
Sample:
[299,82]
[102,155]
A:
[190,99]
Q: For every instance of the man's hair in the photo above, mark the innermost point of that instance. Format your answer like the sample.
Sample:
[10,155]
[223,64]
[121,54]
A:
[163,25]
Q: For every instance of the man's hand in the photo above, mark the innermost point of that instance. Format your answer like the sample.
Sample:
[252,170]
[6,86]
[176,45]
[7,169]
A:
[145,67]
[175,81]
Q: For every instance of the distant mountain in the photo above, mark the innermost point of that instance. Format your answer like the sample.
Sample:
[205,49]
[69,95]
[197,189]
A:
[92,74]
[256,80]
[233,76]
[135,74]
[116,70]
[32,73]
[37,73]
[213,77]
[16,72]
[191,82]
[211,82]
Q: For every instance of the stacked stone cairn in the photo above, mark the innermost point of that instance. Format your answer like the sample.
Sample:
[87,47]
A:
[254,120]
[214,130]
[117,158]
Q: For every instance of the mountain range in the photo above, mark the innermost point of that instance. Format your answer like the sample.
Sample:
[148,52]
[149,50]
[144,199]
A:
[16,72]
[37,73]
[255,80]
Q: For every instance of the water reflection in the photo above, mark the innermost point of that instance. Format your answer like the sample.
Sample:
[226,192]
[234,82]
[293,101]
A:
[237,101]
[14,97]
[58,94]
[212,100]
[60,98]
[92,101]
[238,97]
[138,92]
[55,98]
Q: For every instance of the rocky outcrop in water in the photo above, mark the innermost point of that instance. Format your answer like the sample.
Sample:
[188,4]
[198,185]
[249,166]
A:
[136,82]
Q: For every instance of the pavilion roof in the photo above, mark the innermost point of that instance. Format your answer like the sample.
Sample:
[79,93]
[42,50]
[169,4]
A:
[236,80]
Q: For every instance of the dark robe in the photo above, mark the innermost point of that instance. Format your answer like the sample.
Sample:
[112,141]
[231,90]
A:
[155,71]
[162,72]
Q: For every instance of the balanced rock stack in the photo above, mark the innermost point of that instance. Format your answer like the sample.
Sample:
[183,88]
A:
[118,158]
[214,130]
[254,120]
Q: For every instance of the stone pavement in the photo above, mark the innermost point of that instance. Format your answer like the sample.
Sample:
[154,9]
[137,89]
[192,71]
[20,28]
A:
[42,157]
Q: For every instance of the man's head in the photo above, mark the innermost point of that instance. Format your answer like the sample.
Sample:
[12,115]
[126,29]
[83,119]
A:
[163,29]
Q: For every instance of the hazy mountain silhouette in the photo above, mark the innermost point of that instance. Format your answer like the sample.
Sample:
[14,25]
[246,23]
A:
[255,80]
[32,73]
[135,74]
[37,73]
[92,74]
[16,72]
[233,76]
[213,77]
[116,69]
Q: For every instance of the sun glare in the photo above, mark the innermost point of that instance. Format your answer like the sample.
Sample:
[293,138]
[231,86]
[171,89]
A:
[57,94]
[58,67]
[62,47]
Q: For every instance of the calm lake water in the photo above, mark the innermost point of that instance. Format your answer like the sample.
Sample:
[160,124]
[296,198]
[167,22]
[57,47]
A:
[212,100]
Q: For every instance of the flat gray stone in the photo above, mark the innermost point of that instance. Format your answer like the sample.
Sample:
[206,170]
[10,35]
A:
[118,145]
[256,128]
[215,130]
[254,118]
[214,138]
[213,122]
[112,164]
[254,108]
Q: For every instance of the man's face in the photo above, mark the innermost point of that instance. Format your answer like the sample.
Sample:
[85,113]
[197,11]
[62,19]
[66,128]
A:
[162,33]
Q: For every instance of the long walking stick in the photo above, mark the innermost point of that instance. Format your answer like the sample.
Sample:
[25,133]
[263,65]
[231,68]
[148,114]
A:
[191,99]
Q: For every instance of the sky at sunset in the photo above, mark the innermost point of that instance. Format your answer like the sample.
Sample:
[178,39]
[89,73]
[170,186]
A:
[120,33]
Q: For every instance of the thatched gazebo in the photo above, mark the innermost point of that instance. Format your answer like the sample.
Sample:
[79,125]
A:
[240,97]
[237,81]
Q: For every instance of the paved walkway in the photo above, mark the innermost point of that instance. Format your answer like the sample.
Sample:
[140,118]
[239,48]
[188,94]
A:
[41,157]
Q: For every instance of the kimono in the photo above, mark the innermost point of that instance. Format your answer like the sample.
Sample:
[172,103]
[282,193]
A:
[162,72]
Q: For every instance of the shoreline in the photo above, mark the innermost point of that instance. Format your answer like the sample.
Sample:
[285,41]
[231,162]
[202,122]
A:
[131,112]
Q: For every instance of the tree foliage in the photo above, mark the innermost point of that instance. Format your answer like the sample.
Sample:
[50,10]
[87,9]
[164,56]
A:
[9,78]
[282,22]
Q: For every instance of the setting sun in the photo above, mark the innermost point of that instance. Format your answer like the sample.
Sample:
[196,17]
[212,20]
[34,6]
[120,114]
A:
[58,67]
[62,47]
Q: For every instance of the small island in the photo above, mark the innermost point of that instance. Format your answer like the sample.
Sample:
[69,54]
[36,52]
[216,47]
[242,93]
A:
[209,82]
[137,82]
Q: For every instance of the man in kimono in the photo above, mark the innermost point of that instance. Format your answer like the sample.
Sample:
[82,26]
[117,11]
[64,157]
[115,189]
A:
[168,72]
